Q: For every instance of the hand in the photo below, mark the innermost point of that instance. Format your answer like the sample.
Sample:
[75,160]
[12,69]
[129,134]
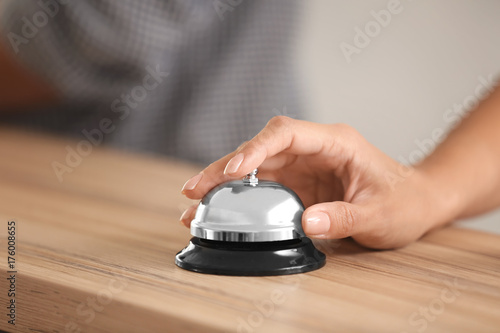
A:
[349,187]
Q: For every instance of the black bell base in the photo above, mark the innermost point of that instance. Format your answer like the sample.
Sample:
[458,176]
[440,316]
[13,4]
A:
[250,258]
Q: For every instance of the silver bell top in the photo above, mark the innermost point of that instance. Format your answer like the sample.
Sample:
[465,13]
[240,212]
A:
[249,210]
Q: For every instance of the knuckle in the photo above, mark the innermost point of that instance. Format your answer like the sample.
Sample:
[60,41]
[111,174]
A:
[241,146]
[254,148]
[345,219]
[277,129]
[280,122]
[346,129]
[348,135]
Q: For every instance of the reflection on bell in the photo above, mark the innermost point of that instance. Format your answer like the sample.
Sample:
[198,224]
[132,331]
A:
[249,227]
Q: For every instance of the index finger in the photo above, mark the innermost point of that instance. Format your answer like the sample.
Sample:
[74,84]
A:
[281,134]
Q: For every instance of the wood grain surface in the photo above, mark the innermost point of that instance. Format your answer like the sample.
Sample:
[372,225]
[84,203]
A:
[95,253]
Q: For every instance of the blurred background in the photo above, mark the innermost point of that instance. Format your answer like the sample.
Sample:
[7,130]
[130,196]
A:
[397,71]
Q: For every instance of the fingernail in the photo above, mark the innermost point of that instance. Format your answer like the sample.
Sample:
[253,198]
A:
[188,212]
[191,183]
[185,215]
[234,164]
[317,223]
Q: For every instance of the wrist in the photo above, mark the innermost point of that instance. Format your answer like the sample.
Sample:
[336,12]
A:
[441,202]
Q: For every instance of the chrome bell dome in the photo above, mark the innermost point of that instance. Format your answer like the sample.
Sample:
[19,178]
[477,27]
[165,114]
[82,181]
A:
[249,210]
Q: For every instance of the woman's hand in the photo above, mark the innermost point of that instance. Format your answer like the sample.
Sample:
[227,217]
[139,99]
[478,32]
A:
[349,187]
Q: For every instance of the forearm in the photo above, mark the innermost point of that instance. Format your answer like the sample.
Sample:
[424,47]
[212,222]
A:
[463,173]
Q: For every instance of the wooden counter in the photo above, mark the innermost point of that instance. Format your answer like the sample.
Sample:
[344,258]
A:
[95,253]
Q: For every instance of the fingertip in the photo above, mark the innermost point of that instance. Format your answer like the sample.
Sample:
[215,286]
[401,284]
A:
[188,215]
[321,236]
[251,161]
[234,164]
[193,195]
[332,220]
[191,183]
[316,223]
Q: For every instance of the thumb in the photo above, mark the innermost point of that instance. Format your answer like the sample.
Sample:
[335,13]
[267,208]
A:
[332,220]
